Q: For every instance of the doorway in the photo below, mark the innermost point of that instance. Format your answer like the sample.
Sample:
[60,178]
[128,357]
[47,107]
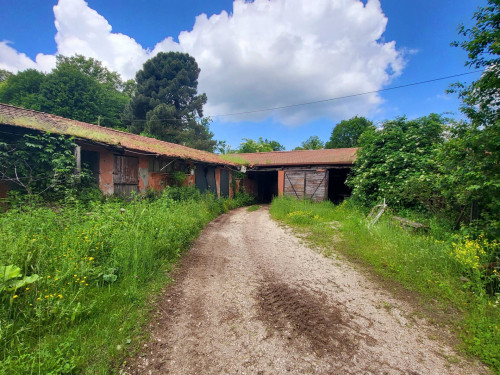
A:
[267,185]
[337,189]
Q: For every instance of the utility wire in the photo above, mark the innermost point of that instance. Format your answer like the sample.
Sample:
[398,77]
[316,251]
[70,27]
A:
[344,97]
[309,103]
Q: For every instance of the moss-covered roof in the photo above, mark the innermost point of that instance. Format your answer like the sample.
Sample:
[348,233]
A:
[338,156]
[20,117]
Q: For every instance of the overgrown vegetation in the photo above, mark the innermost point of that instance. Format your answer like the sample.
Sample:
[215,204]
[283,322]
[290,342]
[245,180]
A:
[41,166]
[79,278]
[443,266]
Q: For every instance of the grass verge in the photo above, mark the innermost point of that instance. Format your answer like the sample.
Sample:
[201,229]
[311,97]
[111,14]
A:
[87,278]
[437,266]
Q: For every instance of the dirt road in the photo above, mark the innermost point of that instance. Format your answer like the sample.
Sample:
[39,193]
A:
[249,298]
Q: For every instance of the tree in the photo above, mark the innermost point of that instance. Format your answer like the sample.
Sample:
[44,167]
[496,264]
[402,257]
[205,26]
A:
[78,88]
[471,157]
[347,132]
[4,75]
[166,104]
[481,99]
[23,89]
[311,143]
[262,145]
[401,151]
[91,68]
[223,148]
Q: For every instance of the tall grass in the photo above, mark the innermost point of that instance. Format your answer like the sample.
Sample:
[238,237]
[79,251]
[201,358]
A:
[98,266]
[442,267]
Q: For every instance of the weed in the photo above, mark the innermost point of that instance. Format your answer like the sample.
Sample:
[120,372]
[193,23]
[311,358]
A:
[88,271]
[252,208]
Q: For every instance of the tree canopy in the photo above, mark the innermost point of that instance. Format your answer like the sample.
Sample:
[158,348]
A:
[165,104]
[347,132]
[481,99]
[389,157]
[79,88]
[311,143]
[261,145]
[472,154]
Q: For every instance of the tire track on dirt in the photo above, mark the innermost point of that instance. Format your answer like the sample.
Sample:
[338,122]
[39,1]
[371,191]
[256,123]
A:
[249,298]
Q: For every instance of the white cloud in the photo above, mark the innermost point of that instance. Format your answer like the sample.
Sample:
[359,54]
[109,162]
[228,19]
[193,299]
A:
[267,53]
[14,61]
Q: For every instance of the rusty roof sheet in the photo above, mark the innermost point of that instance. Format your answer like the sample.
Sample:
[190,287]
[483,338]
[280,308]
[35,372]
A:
[339,156]
[20,117]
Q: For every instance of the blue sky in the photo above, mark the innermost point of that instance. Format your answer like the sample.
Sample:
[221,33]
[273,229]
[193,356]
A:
[263,54]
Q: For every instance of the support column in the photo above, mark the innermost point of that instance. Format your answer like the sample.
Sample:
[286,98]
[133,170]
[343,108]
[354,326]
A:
[281,183]
[217,181]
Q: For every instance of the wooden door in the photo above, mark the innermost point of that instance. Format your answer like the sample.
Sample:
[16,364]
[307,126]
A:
[126,175]
[310,184]
[224,183]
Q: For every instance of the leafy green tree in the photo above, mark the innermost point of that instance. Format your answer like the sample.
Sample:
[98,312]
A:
[223,148]
[91,68]
[78,88]
[402,150]
[311,143]
[261,145]
[5,74]
[347,132]
[23,89]
[481,99]
[166,105]
[471,157]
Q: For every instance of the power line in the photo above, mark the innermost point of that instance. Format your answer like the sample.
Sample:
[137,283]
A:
[309,103]
[343,97]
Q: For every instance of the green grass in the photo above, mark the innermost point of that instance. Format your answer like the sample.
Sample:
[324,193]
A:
[252,208]
[100,266]
[235,158]
[439,266]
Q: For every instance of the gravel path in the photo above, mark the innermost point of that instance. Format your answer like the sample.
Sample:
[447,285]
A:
[249,298]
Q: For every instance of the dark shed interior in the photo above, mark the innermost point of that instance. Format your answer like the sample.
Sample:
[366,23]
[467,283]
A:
[337,189]
[267,183]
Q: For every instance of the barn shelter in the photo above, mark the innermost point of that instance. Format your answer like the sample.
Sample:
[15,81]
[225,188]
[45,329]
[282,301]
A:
[122,162]
[309,174]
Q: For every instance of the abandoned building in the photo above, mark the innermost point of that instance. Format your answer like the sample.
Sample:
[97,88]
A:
[310,174]
[122,163]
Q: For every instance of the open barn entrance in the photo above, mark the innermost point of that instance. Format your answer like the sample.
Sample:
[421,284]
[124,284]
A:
[337,189]
[267,185]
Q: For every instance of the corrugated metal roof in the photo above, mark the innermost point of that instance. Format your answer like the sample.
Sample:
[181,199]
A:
[20,117]
[339,156]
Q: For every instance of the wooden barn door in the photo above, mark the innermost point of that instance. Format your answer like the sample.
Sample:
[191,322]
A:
[205,179]
[126,175]
[310,184]
[224,183]
[295,183]
[316,187]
